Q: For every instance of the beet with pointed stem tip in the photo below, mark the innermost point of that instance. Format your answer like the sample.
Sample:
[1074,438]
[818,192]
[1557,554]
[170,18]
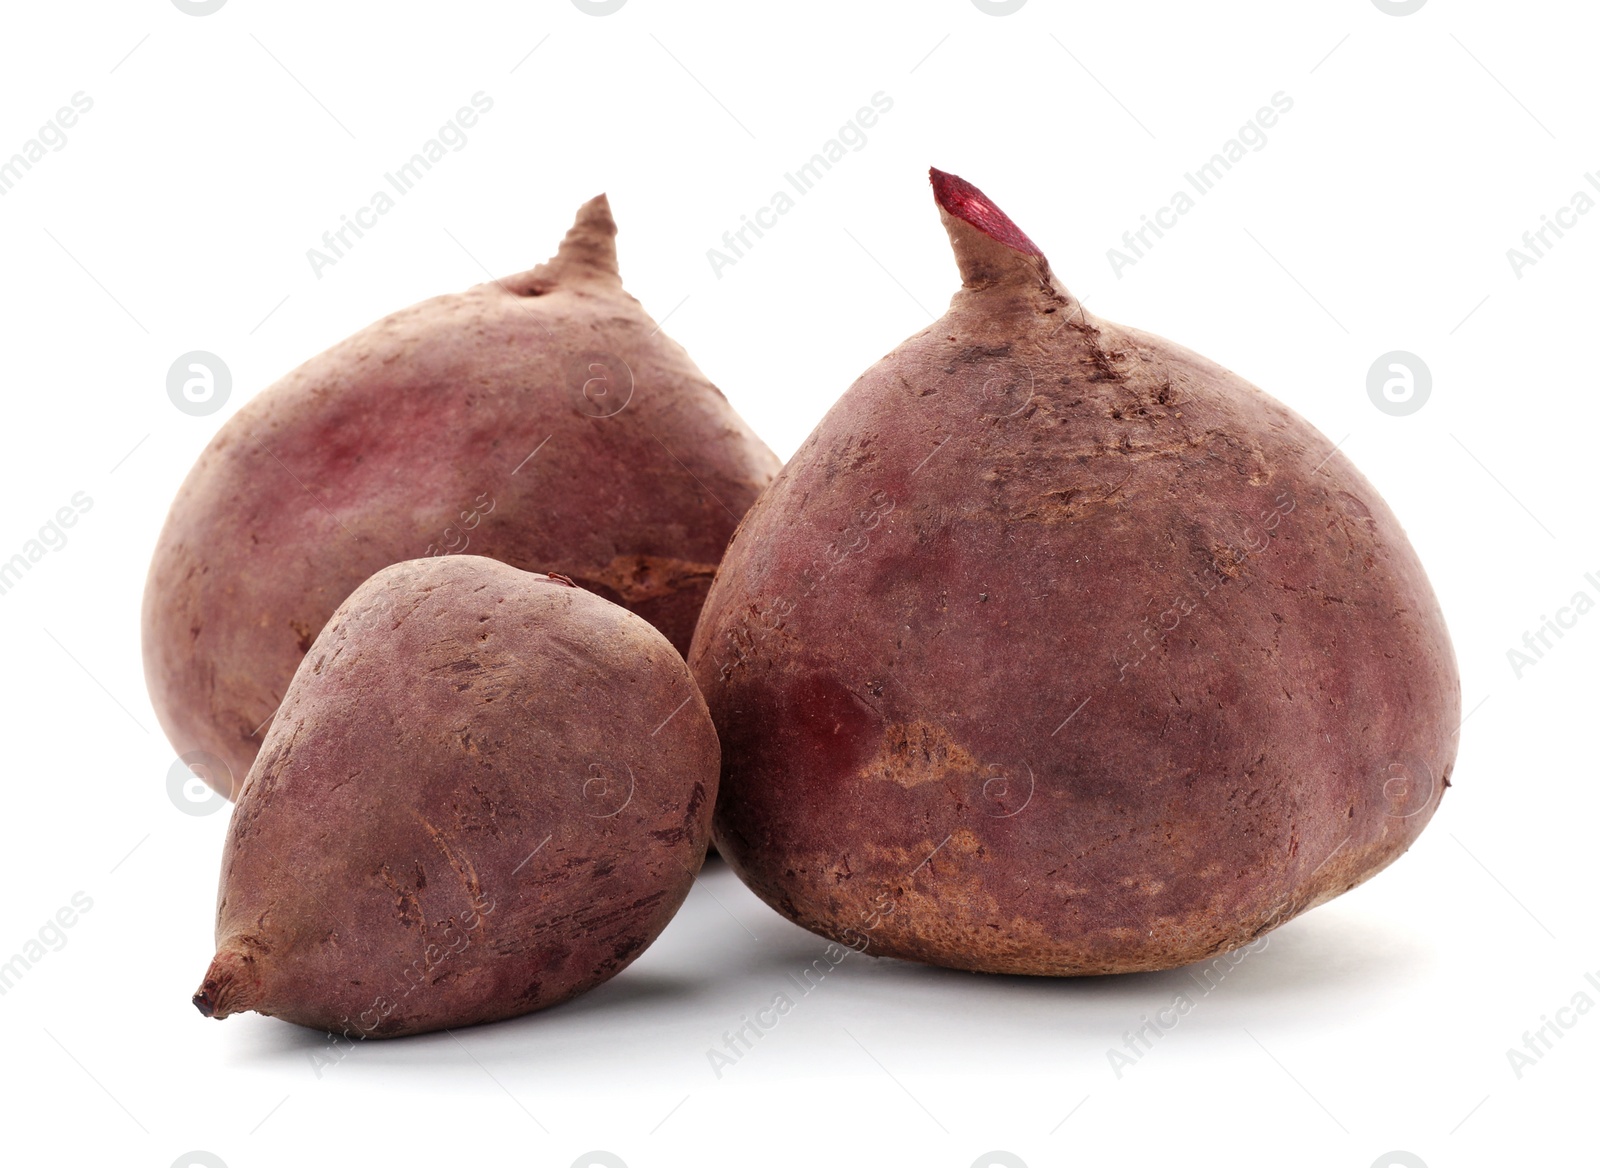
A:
[1060,649]
[543,420]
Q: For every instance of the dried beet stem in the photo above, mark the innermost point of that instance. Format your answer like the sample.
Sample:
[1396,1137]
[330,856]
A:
[587,254]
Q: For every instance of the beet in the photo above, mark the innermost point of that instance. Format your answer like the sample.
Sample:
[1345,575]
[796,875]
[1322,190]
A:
[1059,649]
[487,791]
[543,420]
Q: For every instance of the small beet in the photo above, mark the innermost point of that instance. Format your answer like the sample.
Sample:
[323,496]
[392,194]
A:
[487,791]
[543,420]
[1059,649]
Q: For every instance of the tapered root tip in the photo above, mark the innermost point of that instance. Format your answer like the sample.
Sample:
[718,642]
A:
[588,253]
[592,241]
[231,985]
[960,199]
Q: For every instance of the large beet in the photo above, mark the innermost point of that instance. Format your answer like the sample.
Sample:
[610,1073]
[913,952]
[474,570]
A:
[1059,649]
[543,420]
[487,791]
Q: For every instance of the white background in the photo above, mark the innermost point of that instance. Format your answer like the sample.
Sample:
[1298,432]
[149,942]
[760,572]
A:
[1377,218]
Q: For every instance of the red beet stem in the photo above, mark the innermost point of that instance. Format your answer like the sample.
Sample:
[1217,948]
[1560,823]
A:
[967,203]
